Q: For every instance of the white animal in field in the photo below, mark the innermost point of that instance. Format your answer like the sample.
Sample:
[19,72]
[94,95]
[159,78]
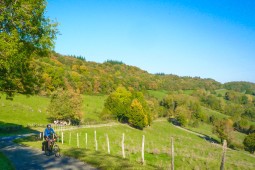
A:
[56,122]
[62,122]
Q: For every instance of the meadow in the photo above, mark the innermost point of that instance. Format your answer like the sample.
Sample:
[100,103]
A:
[190,150]
[31,112]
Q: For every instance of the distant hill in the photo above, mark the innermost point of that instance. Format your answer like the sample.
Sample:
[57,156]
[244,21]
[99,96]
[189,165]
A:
[92,78]
[241,86]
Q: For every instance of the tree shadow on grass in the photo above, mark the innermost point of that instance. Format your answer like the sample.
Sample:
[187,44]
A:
[209,139]
[203,136]
[105,161]
[11,129]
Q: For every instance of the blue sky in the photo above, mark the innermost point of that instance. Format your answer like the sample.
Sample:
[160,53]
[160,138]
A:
[208,39]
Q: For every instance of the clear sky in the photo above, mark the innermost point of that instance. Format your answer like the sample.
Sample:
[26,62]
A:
[204,38]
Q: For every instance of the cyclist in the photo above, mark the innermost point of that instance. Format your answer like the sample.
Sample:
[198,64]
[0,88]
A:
[48,135]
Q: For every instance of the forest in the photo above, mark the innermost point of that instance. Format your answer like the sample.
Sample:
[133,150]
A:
[102,78]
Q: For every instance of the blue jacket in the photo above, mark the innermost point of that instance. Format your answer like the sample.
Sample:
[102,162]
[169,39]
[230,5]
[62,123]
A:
[48,132]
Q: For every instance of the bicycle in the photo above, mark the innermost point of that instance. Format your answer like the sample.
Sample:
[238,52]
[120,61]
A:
[53,149]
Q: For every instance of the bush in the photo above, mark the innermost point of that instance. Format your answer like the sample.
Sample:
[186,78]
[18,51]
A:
[249,143]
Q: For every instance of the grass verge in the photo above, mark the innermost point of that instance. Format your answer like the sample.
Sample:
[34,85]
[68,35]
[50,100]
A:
[5,163]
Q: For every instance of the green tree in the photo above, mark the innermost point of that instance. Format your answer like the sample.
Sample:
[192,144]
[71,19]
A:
[129,107]
[118,103]
[234,110]
[196,111]
[65,105]
[242,126]
[252,129]
[249,143]
[183,115]
[224,129]
[249,113]
[25,32]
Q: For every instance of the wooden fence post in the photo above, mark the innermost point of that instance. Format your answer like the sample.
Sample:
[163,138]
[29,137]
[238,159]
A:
[143,149]
[78,144]
[40,135]
[96,140]
[62,137]
[70,138]
[223,155]
[172,141]
[58,135]
[123,146]
[86,140]
[108,144]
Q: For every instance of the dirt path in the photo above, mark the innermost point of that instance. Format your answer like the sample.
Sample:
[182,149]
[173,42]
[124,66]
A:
[24,158]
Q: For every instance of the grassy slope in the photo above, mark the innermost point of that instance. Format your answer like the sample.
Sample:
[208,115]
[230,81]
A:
[24,110]
[191,151]
[188,147]
[27,110]
[157,94]
[92,106]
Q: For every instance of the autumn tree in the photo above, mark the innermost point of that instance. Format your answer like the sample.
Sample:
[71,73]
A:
[137,116]
[65,105]
[25,33]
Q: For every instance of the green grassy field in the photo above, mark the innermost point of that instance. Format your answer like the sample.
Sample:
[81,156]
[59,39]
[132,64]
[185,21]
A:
[191,151]
[222,92]
[32,111]
[93,106]
[157,94]
[24,110]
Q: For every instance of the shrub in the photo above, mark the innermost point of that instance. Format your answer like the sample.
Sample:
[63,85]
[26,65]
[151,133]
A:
[249,143]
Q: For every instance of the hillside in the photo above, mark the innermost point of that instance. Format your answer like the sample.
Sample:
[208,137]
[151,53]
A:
[96,78]
[241,86]
[28,111]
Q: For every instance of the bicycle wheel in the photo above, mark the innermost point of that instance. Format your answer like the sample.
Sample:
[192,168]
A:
[47,151]
[56,150]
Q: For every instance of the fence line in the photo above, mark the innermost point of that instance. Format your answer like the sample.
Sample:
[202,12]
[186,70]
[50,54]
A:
[67,127]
